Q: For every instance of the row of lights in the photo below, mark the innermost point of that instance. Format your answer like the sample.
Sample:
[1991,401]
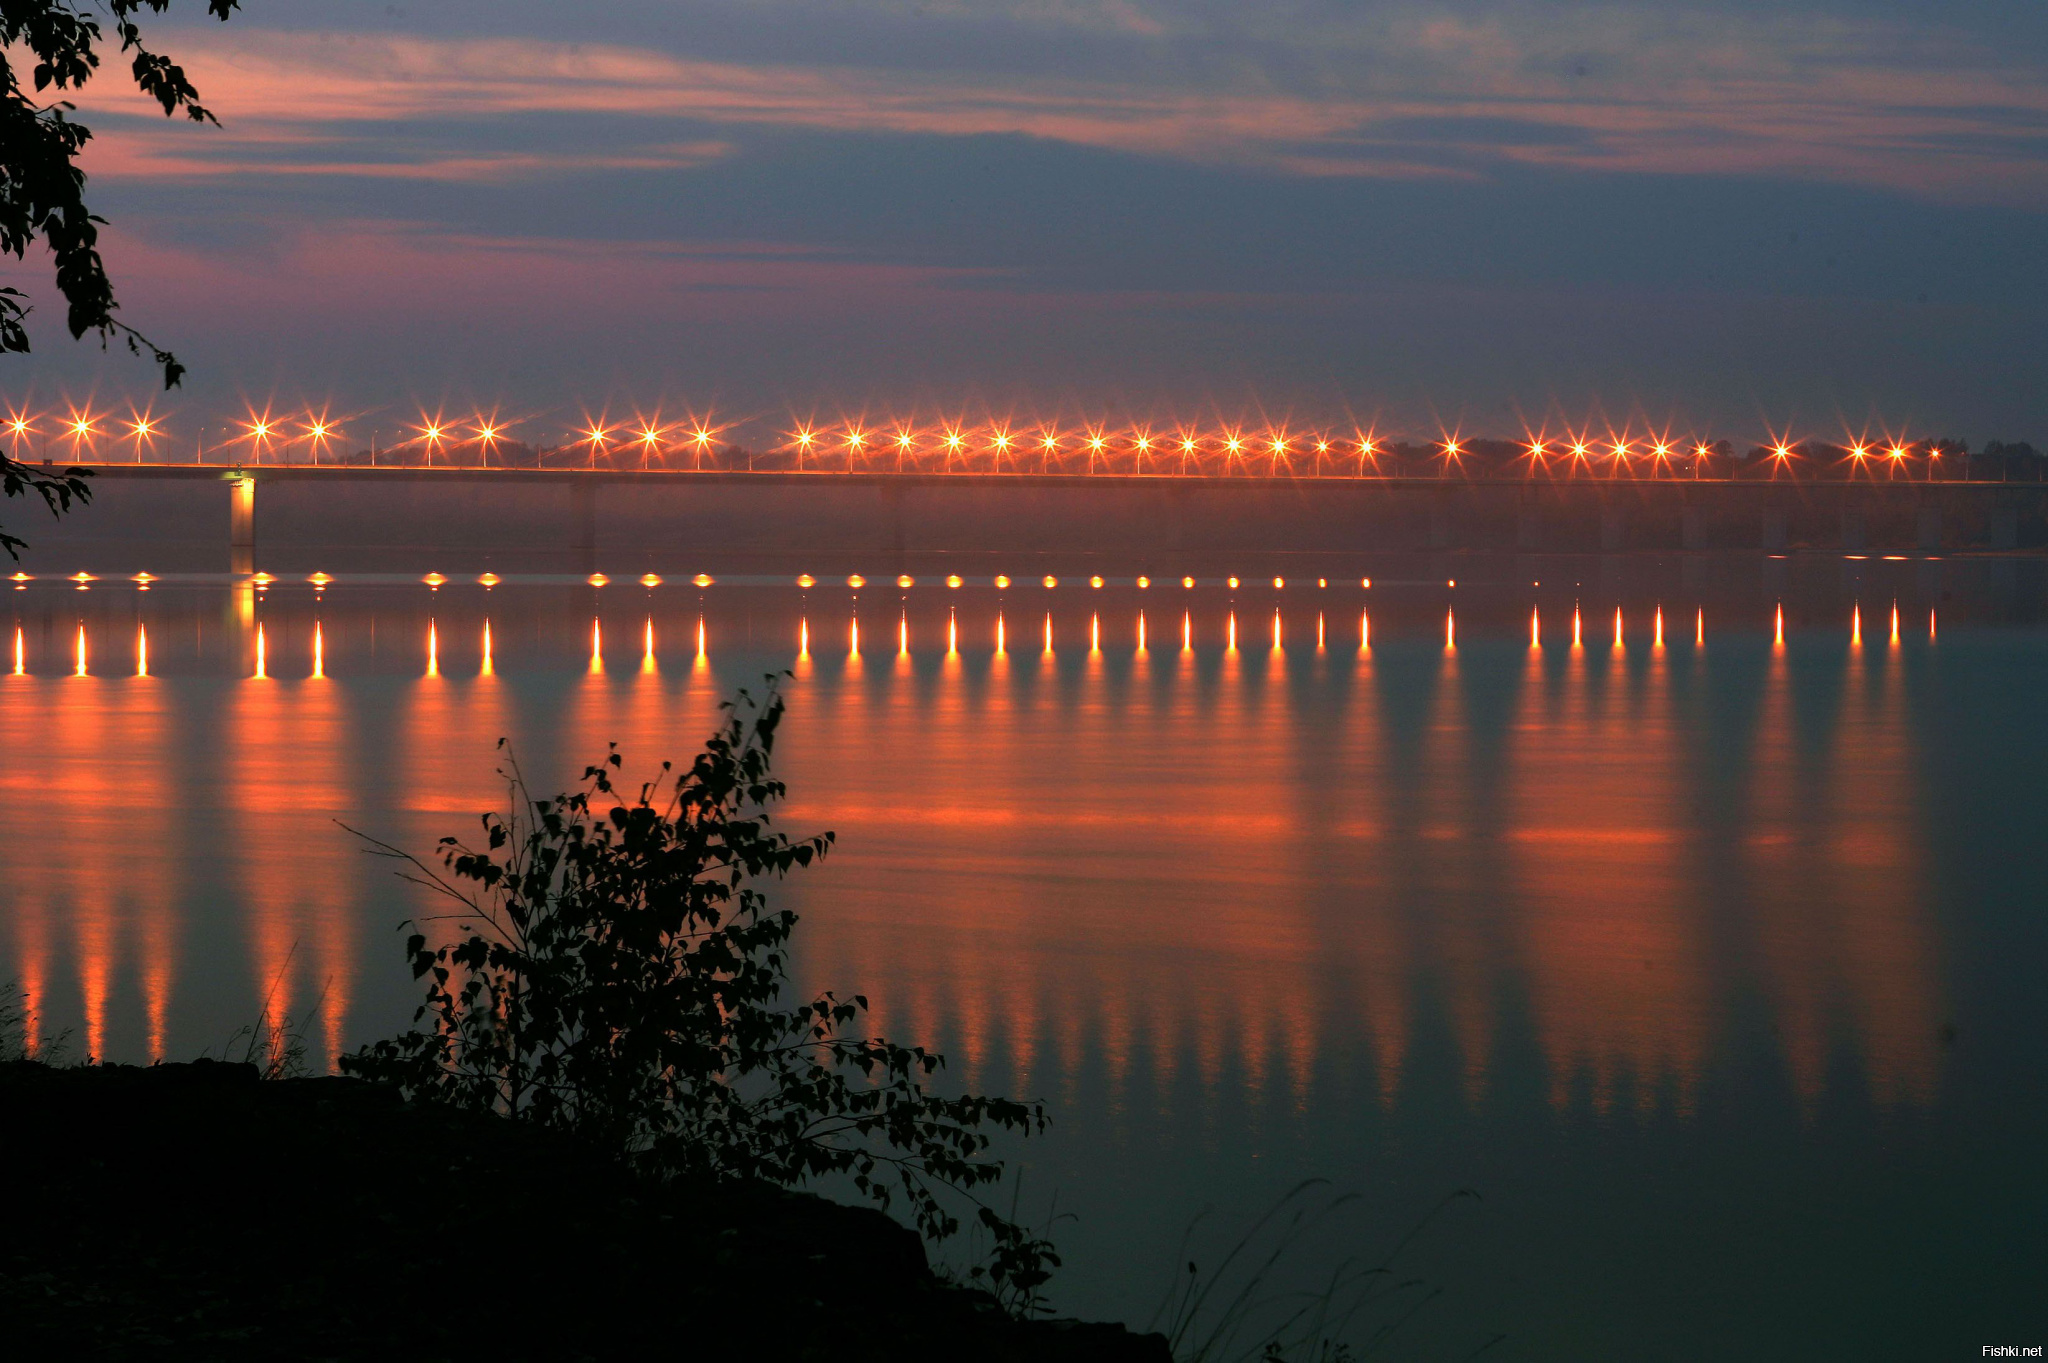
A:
[996,440]
[953,638]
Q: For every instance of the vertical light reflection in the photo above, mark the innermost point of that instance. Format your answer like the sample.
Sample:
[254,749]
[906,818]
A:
[1276,630]
[903,633]
[1230,636]
[433,648]
[1048,634]
[1617,627]
[1657,638]
[1895,624]
[1000,650]
[1607,908]
[703,655]
[1930,624]
[1450,630]
[1187,632]
[1141,634]
[1856,626]
[320,653]
[1778,627]
[953,632]
[596,647]
[78,670]
[647,663]
[286,754]
[261,674]
[1095,633]
[1577,639]
[1319,631]
[1535,629]
[1699,627]
[1364,632]
[20,654]
[142,649]
[489,667]
[853,637]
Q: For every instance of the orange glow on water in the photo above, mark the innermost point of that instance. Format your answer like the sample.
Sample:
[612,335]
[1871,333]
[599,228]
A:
[1365,631]
[1187,632]
[487,669]
[142,647]
[1657,641]
[803,637]
[701,654]
[1617,627]
[260,673]
[1895,624]
[853,637]
[1230,641]
[999,634]
[647,663]
[903,632]
[1276,631]
[1095,634]
[1535,628]
[1778,639]
[1141,630]
[1319,631]
[79,668]
[596,647]
[1856,626]
[1930,624]
[1576,627]
[1699,626]
[433,650]
[952,633]
[320,650]
[20,653]
[1450,630]
[1048,631]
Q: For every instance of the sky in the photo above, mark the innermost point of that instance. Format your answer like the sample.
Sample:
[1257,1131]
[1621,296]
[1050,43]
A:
[1744,218]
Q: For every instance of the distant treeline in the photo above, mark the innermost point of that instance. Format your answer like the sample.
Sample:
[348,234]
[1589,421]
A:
[1943,460]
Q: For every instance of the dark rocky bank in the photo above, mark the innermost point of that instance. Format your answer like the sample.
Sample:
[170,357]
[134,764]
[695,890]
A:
[197,1212]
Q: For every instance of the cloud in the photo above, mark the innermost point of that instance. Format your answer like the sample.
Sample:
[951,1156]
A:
[1423,94]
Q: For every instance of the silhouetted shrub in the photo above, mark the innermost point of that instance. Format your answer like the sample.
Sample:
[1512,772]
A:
[618,975]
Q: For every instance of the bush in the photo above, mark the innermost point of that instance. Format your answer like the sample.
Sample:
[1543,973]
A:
[617,974]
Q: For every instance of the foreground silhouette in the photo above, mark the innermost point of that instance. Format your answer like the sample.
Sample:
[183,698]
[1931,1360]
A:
[198,1211]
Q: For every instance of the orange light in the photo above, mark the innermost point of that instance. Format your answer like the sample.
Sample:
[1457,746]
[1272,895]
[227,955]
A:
[1535,628]
[260,674]
[142,647]
[856,440]
[1051,581]
[1187,582]
[1897,452]
[806,581]
[953,580]
[903,440]
[1699,626]
[906,580]
[953,440]
[1002,582]
[1233,444]
[1450,630]
[1095,582]
[1048,441]
[1144,582]
[433,650]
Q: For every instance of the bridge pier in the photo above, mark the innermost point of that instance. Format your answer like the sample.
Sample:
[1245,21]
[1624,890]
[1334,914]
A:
[1774,529]
[583,525]
[1528,521]
[1930,525]
[2005,527]
[1613,527]
[242,524]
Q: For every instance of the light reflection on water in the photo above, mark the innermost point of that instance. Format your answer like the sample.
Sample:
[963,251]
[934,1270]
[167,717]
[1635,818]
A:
[1248,885]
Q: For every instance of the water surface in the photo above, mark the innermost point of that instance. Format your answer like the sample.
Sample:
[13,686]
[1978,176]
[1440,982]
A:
[1711,958]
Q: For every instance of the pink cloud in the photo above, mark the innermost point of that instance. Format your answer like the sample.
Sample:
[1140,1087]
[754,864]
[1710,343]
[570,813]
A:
[1808,98]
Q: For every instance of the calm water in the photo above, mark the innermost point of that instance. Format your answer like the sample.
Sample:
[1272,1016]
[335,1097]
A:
[1716,968]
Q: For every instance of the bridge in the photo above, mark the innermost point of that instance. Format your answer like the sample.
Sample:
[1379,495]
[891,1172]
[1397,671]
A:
[1187,510]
